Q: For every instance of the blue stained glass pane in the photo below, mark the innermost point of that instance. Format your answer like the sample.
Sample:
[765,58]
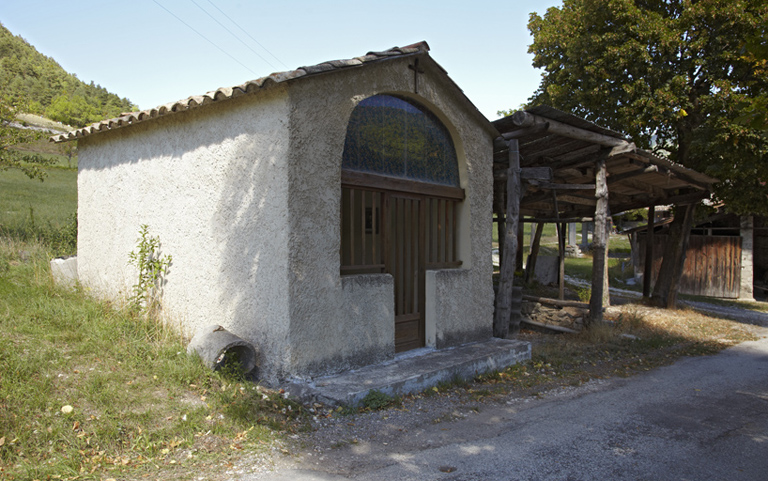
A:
[391,136]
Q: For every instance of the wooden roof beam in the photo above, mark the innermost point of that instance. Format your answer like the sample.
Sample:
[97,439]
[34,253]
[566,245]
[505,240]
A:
[674,173]
[523,119]
[552,220]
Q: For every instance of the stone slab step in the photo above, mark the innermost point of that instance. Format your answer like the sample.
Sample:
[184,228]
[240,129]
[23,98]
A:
[414,371]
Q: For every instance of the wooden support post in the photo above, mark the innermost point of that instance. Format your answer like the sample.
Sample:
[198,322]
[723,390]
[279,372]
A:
[599,253]
[530,268]
[520,243]
[501,324]
[648,268]
[561,260]
[606,277]
[500,206]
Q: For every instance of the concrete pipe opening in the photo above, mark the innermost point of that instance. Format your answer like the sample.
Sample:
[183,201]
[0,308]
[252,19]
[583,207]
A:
[219,348]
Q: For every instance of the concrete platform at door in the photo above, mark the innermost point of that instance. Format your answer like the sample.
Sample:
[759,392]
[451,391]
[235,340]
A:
[413,371]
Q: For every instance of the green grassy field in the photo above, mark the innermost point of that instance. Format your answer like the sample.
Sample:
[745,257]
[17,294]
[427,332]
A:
[34,210]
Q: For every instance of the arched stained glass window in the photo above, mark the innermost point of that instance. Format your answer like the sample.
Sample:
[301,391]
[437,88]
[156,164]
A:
[391,136]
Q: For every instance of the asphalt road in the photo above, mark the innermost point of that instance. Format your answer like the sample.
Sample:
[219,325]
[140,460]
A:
[703,418]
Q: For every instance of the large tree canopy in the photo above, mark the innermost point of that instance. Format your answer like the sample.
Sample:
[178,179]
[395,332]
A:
[675,75]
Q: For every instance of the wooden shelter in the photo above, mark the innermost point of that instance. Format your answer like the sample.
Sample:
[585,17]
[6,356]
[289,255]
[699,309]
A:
[565,169]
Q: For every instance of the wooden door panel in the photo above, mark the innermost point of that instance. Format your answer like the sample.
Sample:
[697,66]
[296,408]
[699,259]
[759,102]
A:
[407,265]
[403,234]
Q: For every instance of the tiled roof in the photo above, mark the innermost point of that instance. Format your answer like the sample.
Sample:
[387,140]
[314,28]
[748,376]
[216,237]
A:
[226,93]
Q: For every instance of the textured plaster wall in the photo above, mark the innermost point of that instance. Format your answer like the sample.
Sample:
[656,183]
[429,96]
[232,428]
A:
[321,305]
[212,184]
[245,195]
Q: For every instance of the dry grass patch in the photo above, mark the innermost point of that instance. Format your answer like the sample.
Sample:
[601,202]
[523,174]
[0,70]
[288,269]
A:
[636,338]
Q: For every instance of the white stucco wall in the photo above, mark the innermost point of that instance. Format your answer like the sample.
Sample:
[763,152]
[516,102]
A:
[319,301]
[245,195]
[212,184]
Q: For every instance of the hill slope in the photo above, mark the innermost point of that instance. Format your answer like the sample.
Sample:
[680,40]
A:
[37,84]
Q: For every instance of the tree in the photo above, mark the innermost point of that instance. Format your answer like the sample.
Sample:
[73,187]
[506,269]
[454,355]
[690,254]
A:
[11,136]
[676,76]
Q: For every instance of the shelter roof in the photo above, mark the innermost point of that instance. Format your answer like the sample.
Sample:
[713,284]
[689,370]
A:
[558,152]
[226,93]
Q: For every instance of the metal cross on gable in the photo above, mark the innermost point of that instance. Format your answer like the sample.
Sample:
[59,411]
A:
[416,72]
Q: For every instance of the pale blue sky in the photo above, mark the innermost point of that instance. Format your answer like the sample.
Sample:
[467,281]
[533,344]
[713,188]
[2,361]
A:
[139,50]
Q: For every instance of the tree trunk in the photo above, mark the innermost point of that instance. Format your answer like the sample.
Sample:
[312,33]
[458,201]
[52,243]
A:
[599,244]
[501,320]
[665,290]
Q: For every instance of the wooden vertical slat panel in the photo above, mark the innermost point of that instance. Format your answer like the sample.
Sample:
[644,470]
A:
[422,270]
[400,250]
[415,255]
[446,232]
[427,226]
[440,227]
[363,235]
[386,232]
[455,232]
[376,237]
[351,227]
[405,224]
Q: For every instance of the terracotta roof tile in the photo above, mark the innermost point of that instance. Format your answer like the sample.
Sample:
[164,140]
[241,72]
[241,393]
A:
[226,93]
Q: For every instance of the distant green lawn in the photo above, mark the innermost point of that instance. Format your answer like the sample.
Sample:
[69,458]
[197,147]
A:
[30,202]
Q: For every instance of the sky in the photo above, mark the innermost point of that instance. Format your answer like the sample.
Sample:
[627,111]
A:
[158,51]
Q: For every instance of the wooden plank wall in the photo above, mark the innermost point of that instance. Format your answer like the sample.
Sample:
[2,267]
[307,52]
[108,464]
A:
[712,266]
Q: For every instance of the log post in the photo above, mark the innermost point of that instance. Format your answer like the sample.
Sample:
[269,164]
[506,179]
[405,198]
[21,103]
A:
[648,268]
[561,260]
[499,206]
[501,320]
[599,243]
[606,277]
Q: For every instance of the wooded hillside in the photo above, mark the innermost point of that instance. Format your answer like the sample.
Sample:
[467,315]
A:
[35,83]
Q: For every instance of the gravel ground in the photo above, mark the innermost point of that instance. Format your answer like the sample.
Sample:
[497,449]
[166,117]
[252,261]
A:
[421,422]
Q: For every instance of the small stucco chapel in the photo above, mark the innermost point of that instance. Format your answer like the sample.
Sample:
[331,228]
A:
[332,216]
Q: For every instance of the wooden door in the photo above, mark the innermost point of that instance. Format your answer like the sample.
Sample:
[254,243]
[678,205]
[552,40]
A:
[402,234]
[406,264]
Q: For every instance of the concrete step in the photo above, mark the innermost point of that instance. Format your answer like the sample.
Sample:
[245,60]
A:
[413,371]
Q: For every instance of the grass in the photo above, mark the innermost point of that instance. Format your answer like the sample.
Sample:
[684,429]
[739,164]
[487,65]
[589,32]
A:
[40,211]
[619,270]
[90,390]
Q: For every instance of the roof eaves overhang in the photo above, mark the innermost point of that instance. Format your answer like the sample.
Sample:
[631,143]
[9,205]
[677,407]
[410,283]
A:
[420,49]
